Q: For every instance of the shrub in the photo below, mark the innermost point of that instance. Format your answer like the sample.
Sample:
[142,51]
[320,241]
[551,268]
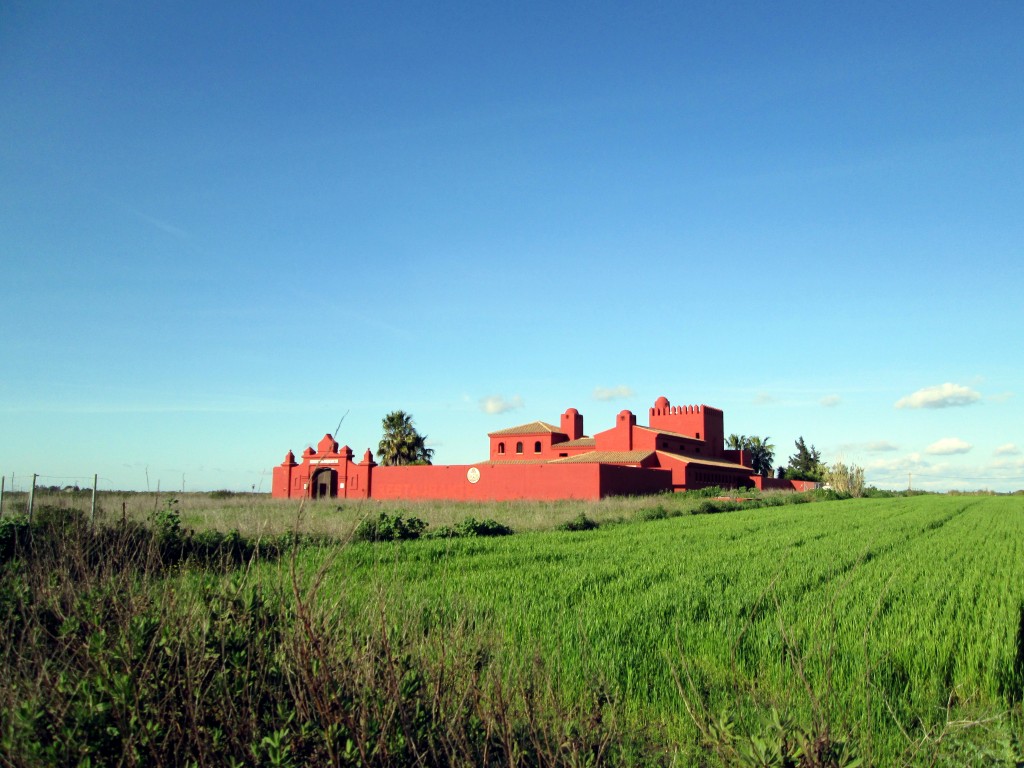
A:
[170,536]
[388,528]
[473,527]
[468,528]
[706,508]
[579,523]
[706,493]
[14,533]
[654,513]
[231,547]
[846,478]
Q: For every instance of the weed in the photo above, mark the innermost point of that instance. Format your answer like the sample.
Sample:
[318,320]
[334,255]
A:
[579,523]
[655,513]
[387,527]
[470,526]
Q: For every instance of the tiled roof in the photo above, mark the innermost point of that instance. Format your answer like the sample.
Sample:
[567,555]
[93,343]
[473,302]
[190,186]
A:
[691,459]
[583,442]
[605,457]
[511,461]
[659,431]
[533,428]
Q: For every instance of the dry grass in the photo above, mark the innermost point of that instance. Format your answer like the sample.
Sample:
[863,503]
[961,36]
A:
[257,515]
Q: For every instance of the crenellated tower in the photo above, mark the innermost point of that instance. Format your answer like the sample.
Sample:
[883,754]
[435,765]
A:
[701,422]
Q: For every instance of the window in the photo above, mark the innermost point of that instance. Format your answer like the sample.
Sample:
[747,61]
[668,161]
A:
[519,447]
[698,435]
[563,455]
[536,447]
[501,447]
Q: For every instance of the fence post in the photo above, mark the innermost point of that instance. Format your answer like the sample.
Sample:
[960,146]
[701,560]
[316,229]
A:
[93,510]
[32,498]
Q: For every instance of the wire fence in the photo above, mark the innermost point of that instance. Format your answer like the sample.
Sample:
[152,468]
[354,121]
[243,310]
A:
[34,485]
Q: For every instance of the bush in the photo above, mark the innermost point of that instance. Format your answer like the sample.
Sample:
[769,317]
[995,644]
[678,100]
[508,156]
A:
[468,528]
[211,546]
[388,528]
[170,536]
[14,533]
[473,527]
[846,478]
[655,513]
[579,523]
[706,493]
[706,508]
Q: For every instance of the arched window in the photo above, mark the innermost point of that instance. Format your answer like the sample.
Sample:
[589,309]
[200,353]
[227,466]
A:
[536,447]
[501,447]
[519,447]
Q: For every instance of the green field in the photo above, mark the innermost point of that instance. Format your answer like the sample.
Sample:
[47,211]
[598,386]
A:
[887,630]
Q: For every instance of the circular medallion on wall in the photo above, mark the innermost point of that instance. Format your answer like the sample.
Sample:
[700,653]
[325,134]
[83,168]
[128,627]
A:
[473,475]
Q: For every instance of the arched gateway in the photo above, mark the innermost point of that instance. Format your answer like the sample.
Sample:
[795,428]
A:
[324,483]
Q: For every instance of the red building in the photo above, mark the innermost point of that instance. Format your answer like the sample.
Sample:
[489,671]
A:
[681,448]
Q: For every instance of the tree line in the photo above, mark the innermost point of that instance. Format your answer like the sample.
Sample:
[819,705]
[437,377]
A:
[805,464]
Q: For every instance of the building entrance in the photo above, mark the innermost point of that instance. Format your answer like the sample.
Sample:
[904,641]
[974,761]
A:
[325,484]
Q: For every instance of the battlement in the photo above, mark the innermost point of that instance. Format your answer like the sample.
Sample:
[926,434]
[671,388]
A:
[677,410]
[701,422]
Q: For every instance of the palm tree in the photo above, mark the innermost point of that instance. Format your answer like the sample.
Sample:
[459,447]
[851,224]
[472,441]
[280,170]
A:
[762,453]
[736,442]
[401,443]
[759,451]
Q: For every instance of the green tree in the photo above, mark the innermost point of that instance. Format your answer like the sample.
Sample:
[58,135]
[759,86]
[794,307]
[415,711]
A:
[805,464]
[760,452]
[401,443]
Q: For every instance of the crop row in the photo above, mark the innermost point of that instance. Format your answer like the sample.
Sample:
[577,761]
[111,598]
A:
[883,618]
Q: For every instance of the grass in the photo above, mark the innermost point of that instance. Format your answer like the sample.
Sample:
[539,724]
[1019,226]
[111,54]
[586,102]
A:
[257,515]
[888,630]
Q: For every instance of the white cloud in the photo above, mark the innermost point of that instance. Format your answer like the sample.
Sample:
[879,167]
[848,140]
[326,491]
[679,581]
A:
[763,398]
[612,393]
[922,473]
[880,446]
[830,401]
[948,446]
[1007,449]
[942,396]
[499,404]
[899,463]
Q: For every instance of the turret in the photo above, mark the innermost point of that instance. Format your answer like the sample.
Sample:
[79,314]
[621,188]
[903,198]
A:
[572,424]
[327,444]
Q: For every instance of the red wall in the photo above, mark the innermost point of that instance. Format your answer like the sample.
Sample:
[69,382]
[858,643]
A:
[633,481]
[775,484]
[517,481]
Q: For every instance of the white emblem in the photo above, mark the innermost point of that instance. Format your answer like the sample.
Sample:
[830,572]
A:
[473,475]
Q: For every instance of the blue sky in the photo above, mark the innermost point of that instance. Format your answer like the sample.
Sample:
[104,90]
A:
[223,226]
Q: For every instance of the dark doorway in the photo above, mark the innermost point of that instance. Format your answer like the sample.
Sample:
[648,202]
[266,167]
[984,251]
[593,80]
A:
[325,484]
